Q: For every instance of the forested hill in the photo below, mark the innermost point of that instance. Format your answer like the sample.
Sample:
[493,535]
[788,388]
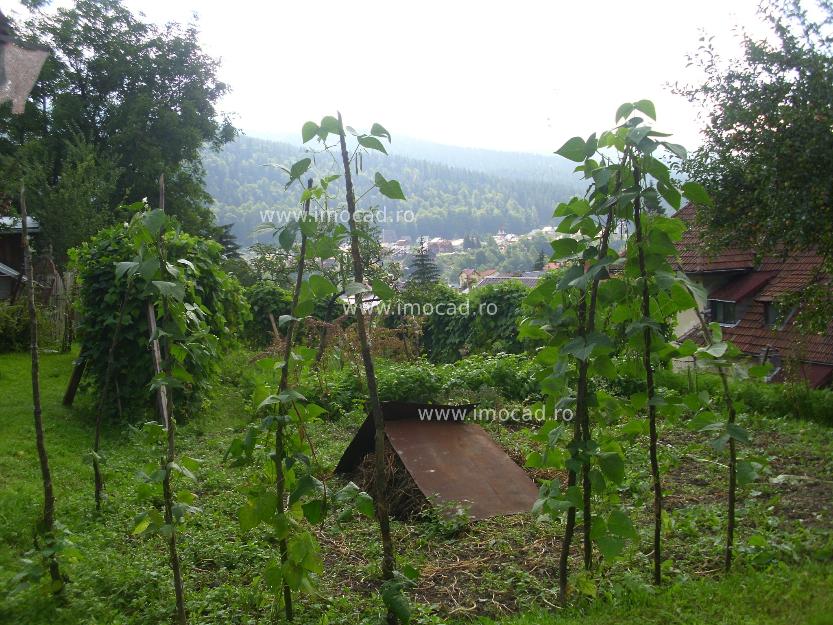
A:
[449,199]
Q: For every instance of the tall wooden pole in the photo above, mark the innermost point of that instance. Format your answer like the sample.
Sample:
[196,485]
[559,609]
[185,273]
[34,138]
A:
[48,519]
[382,513]
[164,406]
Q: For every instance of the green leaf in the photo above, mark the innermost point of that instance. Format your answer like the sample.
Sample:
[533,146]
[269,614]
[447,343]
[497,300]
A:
[747,472]
[396,602]
[737,432]
[313,510]
[564,247]
[298,169]
[578,347]
[308,226]
[287,235]
[389,188]
[377,130]
[719,443]
[170,289]
[613,466]
[760,371]
[697,193]
[306,485]
[676,149]
[290,395]
[304,308]
[624,111]
[620,524]
[647,107]
[308,131]
[409,572]
[715,349]
[609,546]
[122,268]
[248,517]
[575,150]
[636,135]
[670,194]
[273,576]
[382,290]
[597,480]
[142,522]
[330,125]
[355,287]
[372,143]
[365,505]
[321,286]
[153,221]
[173,466]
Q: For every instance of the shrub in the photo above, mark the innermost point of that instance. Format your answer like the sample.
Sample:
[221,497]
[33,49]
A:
[793,400]
[511,376]
[497,332]
[417,382]
[448,337]
[14,327]
[102,292]
[265,297]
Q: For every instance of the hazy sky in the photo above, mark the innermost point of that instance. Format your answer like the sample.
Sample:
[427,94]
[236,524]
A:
[511,75]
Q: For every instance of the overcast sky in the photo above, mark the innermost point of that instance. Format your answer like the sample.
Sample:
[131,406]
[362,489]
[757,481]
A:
[511,75]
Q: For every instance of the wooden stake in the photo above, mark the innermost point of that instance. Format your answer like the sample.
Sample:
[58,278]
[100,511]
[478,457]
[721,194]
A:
[74,381]
[380,479]
[280,480]
[165,406]
[48,520]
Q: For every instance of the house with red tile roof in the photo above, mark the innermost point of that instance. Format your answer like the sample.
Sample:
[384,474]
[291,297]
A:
[469,277]
[744,294]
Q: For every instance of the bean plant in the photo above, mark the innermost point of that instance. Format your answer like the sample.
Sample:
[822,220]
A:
[610,304]
[350,158]
[177,332]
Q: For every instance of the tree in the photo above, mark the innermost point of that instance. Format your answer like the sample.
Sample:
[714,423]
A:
[540,262]
[768,146]
[225,237]
[423,270]
[120,101]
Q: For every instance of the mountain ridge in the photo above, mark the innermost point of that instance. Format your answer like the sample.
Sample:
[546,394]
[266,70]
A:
[469,191]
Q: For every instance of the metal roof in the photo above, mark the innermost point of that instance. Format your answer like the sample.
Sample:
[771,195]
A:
[5,270]
[449,460]
[13,225]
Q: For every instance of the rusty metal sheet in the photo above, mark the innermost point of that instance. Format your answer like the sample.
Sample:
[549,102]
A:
[459,462]
[363,443]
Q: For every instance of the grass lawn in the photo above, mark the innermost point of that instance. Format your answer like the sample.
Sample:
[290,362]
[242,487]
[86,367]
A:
[500,569]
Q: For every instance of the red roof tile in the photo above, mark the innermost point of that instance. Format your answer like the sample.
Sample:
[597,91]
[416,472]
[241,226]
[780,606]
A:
[743,287]
[695,259]
[816,376]
[764,280]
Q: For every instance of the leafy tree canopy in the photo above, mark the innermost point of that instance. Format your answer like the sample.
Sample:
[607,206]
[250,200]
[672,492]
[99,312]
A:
[768,148]
[119,102]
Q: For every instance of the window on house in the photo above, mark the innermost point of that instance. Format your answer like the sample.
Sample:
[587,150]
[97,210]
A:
[723,312]
[771,314]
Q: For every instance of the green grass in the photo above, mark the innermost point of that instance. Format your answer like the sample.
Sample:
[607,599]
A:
[500,567]
[781,595]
